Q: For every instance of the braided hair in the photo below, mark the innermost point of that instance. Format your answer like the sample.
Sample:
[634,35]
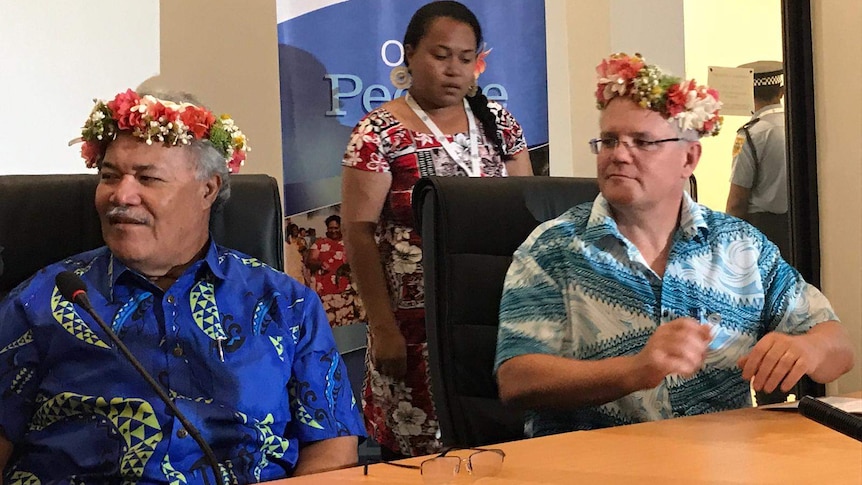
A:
[417,29]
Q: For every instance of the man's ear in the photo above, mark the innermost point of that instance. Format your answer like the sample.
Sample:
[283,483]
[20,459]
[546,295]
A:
[211,190]
[692,158]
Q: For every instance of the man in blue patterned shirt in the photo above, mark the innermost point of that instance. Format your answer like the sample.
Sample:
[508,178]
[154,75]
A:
[645,305]
[245,352]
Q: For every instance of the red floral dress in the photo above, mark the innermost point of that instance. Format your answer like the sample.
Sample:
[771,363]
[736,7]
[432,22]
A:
[400,414]
[333,284]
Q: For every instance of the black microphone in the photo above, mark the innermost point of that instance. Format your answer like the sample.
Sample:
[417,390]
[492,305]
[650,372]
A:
[830,416]
[73,288]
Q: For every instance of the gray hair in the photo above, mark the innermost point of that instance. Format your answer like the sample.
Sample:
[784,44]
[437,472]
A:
[208,160]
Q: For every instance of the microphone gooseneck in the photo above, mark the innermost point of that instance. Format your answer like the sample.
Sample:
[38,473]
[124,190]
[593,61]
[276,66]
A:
[72,287]
[830,416]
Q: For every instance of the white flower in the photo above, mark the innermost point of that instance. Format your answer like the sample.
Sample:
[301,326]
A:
[408,419]
[402,233]
[406,257]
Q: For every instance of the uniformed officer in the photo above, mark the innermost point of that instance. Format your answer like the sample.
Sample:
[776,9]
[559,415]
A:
[758,181]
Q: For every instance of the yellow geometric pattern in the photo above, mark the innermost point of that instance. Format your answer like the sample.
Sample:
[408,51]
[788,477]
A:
[174,477]
[19,342]
[133,418]
[64,313]
[301,413]
[21,378]
[279,347]
[205,310]
[252,262]
[24,478]
[273,445]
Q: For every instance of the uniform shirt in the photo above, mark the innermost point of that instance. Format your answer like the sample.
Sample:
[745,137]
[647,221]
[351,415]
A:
[245,352]
[577,288]
[767,178]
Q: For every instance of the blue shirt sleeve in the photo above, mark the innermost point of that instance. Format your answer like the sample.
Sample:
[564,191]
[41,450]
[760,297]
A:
[533,314]
[321,400]
[19,365]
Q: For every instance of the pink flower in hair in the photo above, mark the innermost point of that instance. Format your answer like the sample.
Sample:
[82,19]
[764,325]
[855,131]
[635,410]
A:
[481,64]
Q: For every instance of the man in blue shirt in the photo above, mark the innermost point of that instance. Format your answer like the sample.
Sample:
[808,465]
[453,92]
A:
[245,352]
[645,305]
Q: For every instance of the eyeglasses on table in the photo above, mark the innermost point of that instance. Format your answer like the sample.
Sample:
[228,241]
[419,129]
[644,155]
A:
[444,468]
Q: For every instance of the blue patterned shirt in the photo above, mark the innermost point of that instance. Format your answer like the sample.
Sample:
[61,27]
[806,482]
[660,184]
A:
[245,352]
[577,288]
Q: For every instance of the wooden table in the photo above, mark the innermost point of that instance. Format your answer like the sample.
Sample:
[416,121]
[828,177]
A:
[744,446]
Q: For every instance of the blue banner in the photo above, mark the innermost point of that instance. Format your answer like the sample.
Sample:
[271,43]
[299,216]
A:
[335,58]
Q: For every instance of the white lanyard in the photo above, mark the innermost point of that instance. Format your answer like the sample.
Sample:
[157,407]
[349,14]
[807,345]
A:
[475,169]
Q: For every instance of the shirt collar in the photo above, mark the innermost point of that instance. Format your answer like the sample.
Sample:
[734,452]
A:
[116,268]
[778,107]
[602,224]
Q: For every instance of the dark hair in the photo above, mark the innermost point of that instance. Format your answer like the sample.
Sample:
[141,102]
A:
[416,30]
[767,93]
[332,218]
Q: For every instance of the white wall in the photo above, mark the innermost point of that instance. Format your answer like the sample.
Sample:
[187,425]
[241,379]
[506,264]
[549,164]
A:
[56,57]
[837,38]
[726,34]
[654,29]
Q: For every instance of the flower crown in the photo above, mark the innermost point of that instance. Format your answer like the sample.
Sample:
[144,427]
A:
[153,119]
[693,107]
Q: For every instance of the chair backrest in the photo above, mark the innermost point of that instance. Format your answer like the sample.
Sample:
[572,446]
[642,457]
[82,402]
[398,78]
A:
[45,218]
[470,227]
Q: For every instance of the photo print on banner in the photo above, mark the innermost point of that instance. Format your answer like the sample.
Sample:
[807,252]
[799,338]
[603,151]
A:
[336,59]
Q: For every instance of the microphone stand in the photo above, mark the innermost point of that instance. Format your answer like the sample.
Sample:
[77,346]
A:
[80,297]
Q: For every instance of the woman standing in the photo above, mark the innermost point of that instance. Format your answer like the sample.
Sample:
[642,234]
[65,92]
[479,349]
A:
[442,126]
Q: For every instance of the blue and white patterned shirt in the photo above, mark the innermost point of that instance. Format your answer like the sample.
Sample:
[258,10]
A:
[577,288]
[73,406]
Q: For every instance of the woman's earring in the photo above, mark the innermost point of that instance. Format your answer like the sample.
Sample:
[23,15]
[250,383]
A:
[474,88]
[400,77]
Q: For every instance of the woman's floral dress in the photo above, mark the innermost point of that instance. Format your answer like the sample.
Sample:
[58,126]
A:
[399,414]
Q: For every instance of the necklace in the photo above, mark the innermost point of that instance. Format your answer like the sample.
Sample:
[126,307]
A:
[474,169]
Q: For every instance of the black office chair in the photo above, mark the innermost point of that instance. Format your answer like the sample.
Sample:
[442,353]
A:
[470,227]
[45,218]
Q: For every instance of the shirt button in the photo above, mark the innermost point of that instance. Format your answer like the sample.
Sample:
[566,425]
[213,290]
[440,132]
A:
[182,433]
[178,351]
[171,299]
[665,313]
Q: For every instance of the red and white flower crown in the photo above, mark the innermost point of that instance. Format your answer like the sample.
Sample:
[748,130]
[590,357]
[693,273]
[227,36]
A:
[153,119]
[691,106]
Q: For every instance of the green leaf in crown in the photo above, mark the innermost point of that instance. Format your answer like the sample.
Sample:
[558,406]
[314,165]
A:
[64,313]
[205,310]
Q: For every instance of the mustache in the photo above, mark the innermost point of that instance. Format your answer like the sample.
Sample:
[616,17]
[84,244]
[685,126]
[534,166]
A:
[123,214]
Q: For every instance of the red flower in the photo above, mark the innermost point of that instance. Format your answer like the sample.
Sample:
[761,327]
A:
[675,100]
[121,108]
[91,151]
[197,120]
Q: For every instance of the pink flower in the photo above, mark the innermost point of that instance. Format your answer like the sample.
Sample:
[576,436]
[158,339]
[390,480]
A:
[234,164]
[615,76]
[481,64]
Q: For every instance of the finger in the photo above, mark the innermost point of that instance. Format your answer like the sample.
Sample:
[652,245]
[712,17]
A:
[741,362]
[782,367]
[793,376]
[754,358]
[768,364]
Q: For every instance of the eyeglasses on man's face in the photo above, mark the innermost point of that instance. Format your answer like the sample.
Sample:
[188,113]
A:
[607,144]
[444,468]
